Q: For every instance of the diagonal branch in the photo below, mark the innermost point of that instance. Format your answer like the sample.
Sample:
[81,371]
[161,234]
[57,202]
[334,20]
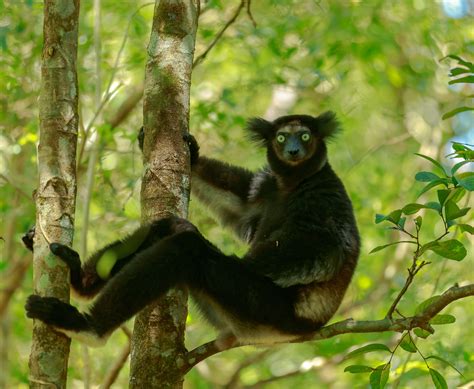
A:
[243,3]
[348,326]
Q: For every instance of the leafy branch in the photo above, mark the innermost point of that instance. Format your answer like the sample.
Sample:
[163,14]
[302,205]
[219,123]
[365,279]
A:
[349,326]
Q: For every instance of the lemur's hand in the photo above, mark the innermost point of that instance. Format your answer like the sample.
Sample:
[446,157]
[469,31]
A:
[141,138]
[193,148]
[28,238]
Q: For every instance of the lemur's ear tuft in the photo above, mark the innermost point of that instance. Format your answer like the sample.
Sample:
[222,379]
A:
[260,130]
[328,125]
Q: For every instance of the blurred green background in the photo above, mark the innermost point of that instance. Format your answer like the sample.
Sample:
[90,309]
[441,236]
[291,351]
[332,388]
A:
[377,64]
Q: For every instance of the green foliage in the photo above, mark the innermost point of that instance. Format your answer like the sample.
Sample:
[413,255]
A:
[445,205]
[375,65]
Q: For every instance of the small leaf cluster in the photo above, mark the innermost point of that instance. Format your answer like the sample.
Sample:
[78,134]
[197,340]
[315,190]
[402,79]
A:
[379,375]
[451,186]
[464,73]
[454,186]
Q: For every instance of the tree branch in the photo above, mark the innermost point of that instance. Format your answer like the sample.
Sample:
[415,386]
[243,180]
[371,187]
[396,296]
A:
[243,3]
[349,326]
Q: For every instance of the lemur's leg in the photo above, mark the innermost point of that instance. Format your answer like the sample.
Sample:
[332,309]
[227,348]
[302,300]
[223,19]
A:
[87,280]
[183,259]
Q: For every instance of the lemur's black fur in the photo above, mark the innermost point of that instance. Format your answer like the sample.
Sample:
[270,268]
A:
[295,215]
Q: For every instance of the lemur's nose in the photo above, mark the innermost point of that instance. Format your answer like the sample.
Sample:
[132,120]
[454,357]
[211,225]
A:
[293,152]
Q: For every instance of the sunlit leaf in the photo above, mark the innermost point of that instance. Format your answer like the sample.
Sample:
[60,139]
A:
[434,162]
[467,79]
[354,369]
[438,379]
[442,319]
[432,184]
[412,208]
[379,377]
[466,180]
[408,345]
[421,333]
[452,211]
[444,361]
[457,166]
[426,177]
[367,349]
[449,114]
[379,248]
[466,228]
[451,249]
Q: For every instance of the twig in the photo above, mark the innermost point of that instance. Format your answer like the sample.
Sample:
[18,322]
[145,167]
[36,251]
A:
[349,326]
[114,371]
[243,3]
[17,188]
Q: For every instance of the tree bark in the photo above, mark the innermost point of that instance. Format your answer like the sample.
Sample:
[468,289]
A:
[158,337]
[56,193]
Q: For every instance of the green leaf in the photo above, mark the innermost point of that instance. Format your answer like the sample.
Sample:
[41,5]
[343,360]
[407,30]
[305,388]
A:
[456,194]
[434,162]
[419,221]
[466,180]
[449,114]
[354,369]
[461,61]
[467,79]
[466,228]
[458,71]
[456,167]
[394,216]
[425,304]
[421,333]
[378,248]
[367,349]
[446,362]
[401,222]
[407,344]
[426,177]
[443,195]
[412,208]
[432,184]
[452,211]
[451,249]
[433,205]
[379,377]
[438,379]
[442,319]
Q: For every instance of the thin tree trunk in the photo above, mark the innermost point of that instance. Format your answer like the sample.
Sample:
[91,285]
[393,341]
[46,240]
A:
[158,337]
[56,193]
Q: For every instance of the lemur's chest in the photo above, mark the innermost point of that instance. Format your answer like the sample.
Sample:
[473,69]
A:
[270,220]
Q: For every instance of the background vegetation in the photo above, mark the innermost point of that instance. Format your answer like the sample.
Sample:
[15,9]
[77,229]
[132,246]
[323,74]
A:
[376,63]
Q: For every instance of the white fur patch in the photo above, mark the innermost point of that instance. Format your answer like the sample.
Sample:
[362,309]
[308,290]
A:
[317,303]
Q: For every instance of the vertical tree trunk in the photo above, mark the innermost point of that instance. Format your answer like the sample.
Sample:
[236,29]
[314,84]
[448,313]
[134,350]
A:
[56,193]
[158,337]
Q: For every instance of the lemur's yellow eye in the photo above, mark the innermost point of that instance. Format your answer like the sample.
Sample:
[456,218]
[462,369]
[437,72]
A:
[305,137]
[280,138]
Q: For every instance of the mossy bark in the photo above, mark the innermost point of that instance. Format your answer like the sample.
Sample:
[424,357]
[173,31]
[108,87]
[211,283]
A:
[56,193]
[158,337]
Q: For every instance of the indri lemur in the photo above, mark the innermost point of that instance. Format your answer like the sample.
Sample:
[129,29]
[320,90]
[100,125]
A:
[295,215]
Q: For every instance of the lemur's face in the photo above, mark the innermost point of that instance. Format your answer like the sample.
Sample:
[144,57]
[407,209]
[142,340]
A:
[294,143]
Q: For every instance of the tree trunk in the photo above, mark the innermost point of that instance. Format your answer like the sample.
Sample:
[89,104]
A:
[56,193]
[158,337]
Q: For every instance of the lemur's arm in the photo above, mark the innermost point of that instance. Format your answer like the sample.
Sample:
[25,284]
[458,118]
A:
[221,186]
